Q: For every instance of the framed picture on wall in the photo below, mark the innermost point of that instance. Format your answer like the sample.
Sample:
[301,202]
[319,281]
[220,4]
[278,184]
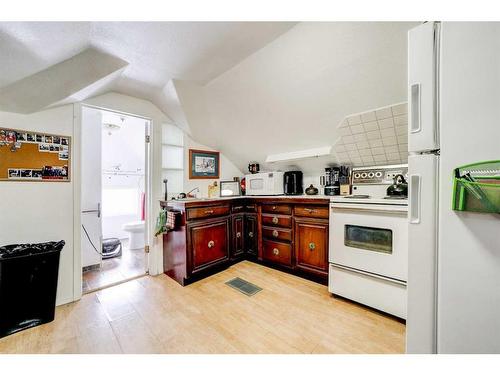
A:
[203,164]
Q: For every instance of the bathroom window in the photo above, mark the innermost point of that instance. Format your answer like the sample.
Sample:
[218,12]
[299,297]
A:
[172,154]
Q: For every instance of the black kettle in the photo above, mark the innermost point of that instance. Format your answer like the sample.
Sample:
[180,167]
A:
[399,187]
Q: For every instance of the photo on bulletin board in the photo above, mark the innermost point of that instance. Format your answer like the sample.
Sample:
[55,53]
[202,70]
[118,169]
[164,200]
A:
[34,156]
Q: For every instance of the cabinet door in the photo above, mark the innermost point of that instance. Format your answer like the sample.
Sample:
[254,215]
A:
[251,234]
[208,243]
[311,245]
[238,247]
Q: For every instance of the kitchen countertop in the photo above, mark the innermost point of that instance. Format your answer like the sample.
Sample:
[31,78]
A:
[289,198]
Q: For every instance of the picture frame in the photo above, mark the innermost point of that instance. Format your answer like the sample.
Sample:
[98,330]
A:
[204,164]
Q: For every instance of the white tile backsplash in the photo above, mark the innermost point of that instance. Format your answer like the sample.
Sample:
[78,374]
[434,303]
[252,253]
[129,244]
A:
[386,123]
[368,116]
[375,137]
[356,129]
[399,109]
[383,113]
[370,126]
[353,120]
[345,131]
[386,133]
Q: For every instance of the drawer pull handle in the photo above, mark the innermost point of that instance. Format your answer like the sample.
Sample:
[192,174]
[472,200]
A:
[275,233]
[310,210]
[275,220]
[250,234]
[312,245]
[238,234]
[276,251]
[211,244]
[209,211]
[251,207]
[238,208]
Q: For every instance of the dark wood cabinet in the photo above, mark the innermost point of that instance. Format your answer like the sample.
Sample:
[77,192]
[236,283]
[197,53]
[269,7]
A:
[238,235]
[311,245]
[251,234]
[208,243]
[289,233]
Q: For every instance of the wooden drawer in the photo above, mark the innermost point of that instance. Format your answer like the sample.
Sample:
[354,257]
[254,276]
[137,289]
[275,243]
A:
[277,252]
[320,212]
[277,220]
[206,212]
[250,207]
[277,234]
[277,208]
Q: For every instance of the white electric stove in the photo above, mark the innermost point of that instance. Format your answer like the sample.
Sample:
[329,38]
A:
[368,251]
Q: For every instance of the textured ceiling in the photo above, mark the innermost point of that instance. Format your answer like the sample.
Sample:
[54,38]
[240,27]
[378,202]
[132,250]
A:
[292,94]
[156,52]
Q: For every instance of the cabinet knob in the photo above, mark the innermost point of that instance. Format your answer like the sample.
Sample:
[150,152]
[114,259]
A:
[238,234]
[209,211]
[275,220]
[211,244]
[312,245]
[274,207]
[275,233]
[250,234]
[276,251]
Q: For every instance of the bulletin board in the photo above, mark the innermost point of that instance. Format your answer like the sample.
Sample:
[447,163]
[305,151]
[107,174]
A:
[34,156]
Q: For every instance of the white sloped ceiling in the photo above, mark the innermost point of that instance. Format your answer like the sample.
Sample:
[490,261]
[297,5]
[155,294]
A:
[292,94]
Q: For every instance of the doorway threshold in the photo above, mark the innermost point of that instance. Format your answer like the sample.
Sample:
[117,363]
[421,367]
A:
[115,283]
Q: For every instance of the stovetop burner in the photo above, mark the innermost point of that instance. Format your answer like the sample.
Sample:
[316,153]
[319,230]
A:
[358,196]
[396,197]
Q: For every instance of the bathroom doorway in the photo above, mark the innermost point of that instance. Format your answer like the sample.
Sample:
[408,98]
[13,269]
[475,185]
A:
[114,176]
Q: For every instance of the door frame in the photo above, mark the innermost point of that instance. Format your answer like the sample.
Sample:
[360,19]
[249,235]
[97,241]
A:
[77,181]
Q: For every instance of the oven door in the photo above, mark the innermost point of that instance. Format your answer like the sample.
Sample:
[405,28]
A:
[370,238]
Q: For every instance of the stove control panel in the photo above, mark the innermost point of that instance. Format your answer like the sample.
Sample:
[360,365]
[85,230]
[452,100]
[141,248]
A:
[378,175]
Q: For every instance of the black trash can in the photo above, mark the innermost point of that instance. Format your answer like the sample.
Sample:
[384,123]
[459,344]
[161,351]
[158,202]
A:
[28,285]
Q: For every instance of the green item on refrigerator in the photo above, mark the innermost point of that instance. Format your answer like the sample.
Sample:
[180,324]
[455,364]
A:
[476,187]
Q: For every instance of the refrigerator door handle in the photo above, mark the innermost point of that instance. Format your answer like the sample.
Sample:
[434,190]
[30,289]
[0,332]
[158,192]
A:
[415,194]
[415,124]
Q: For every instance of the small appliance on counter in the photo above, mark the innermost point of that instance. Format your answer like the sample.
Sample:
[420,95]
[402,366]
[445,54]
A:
[293,183]
[332,183]
[265,183]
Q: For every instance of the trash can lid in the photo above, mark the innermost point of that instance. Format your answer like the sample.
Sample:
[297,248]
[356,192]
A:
[18,250]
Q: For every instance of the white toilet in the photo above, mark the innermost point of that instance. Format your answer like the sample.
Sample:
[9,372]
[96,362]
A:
[135,231]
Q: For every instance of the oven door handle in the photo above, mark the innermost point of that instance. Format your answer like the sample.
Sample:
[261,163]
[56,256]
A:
[369,208]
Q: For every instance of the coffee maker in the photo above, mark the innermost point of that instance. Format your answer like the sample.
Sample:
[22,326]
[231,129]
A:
[332,181]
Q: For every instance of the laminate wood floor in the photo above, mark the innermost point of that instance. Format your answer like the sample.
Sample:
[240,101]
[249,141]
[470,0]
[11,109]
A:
[156,315]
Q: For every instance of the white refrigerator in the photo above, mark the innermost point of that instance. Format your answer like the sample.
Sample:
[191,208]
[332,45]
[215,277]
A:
[454,256]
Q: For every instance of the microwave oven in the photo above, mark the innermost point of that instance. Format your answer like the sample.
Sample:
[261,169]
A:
[264,183]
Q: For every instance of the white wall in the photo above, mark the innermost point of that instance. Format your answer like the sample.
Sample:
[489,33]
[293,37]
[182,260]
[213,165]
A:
[41,211]
[227,169]
[37,212]
[91,190]
[292,94]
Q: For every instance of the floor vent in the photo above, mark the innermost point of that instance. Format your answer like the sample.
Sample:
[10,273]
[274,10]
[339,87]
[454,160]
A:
[243,286]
